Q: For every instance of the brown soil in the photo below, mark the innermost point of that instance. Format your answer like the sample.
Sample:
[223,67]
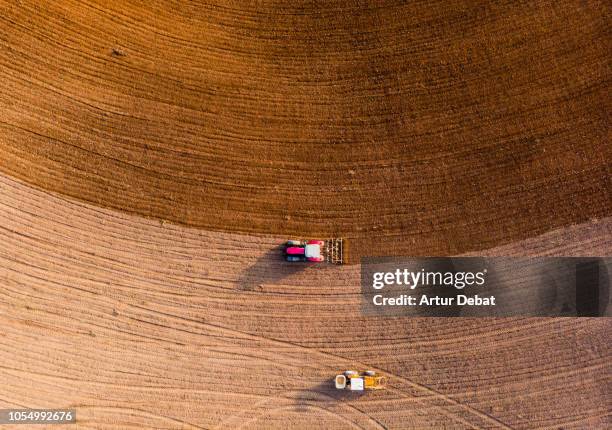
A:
[419,128]
[142,324]
[412,128]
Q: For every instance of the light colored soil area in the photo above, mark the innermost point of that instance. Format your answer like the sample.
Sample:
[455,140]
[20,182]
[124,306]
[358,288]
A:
[137,323]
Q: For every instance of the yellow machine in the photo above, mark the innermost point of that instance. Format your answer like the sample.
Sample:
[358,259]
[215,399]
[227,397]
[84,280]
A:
[356,381]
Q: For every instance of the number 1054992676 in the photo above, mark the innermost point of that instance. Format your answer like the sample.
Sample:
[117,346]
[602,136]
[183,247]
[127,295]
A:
[30,416]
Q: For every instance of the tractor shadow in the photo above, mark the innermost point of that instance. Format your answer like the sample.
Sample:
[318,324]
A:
[268,269]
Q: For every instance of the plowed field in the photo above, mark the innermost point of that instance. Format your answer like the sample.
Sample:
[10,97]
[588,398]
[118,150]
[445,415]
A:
[421,127]
[140,323]
[154,155]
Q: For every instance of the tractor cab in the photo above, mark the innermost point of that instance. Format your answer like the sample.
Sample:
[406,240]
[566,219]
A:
[312,250]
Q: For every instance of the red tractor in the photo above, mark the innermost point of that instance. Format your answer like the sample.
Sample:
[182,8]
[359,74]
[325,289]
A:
[330,250]
[301,250]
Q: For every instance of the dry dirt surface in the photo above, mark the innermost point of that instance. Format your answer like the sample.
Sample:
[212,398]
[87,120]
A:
[418,127]
[139,323]
[155,154]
